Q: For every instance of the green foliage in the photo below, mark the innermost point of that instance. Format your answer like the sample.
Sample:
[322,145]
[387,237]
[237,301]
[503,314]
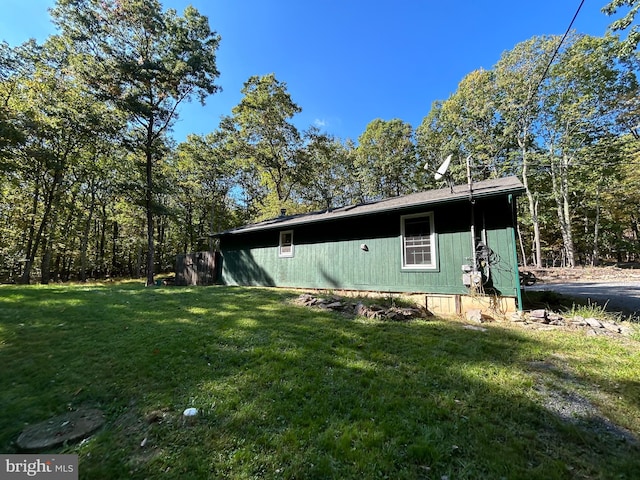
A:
[284,391]
[385,159]
[331,181]
[587,100]
[203,174]
[145,62]
[265,142]
[560,126]
[91,182]
[467,124]
[594,310]
[629,44]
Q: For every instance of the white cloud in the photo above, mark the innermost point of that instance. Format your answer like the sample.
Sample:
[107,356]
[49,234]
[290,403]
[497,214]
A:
[320,123]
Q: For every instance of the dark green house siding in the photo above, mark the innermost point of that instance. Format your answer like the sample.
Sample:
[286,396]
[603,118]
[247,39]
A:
[328,254]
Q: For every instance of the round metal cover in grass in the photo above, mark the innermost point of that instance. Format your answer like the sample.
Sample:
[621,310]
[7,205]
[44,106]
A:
[69,427]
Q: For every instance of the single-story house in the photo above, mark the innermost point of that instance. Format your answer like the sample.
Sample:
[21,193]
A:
[455,247]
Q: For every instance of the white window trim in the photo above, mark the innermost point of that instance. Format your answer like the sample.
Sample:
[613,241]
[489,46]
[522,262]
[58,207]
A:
[433,247]
[282,254]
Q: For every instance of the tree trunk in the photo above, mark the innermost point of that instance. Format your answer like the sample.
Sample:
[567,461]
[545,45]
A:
[533,204]
[42,229]
[46,263]
[595,260]
[26,272]
[115,263]
[149,206]
[139,260]
[47,255]
[84,244]
[160,243]
[189,242]
[68,233]
[103,241]
[560,185]
[522,251]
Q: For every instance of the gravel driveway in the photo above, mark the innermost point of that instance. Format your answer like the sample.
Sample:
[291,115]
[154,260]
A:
[622,296]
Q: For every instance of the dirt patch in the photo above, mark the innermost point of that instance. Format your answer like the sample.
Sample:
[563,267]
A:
[627,272]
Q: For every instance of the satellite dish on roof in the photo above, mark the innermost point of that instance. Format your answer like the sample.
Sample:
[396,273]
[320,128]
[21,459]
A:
[443,168]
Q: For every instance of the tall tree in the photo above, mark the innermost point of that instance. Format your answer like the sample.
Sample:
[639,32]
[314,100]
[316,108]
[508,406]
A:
[386,159]
[435,140]
[10,72]
[585,100]
[266,143]
[467,123]
[518,74]
[204,175]
[146,62]
[332,178]
[59,117]
[630,43]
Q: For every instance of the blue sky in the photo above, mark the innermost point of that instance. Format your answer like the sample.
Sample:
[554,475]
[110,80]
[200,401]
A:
[348,62]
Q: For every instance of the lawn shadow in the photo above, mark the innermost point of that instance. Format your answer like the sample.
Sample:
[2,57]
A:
[282,390]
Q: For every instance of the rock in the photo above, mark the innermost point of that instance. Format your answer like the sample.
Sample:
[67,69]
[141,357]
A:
[579,321]
[474,315]
[373,311]
[625,330]
[593,323]
[538,315]
[335,306]
[66,428]
[475,327]
[306,299]
[555,317]
[617,328]
[393,315]
[189,416]
[611,327]
[411,312]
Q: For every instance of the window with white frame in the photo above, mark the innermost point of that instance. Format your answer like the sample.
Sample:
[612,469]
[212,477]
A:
[418,242]
[286,244]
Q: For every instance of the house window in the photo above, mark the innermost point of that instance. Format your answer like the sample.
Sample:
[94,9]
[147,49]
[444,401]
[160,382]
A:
[286,244]
[418,242]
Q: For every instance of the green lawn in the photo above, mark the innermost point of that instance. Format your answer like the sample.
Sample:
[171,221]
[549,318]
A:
[290,392]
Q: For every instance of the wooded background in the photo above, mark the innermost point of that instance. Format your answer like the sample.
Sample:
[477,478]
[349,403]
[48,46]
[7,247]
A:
[92,184]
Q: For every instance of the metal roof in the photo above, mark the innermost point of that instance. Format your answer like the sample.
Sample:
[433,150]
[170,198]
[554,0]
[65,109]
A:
[485,188]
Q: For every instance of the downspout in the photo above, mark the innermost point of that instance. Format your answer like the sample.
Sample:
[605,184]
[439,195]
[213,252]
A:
[473,222]
[516,273]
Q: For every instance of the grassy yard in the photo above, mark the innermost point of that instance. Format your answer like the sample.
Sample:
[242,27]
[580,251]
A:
[289,392]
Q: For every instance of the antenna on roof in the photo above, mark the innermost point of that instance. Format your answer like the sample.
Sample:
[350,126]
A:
[443,168]
[443,172]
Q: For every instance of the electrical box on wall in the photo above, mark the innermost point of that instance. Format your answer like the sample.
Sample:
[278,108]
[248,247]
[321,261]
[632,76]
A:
[469,279]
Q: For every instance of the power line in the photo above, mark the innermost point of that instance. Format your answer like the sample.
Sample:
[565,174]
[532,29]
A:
[546,70]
